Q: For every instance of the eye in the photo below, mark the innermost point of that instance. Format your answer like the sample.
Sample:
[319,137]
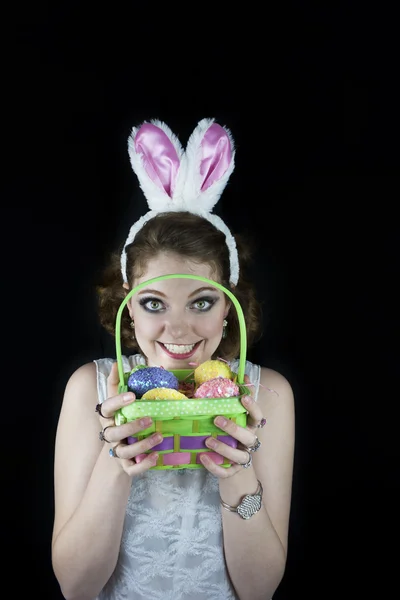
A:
[151,304]
[204,304]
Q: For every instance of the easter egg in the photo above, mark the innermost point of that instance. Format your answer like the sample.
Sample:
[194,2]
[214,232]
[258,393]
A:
[219,387]
[163,393]
[211,369]
[137,368]
[142,380]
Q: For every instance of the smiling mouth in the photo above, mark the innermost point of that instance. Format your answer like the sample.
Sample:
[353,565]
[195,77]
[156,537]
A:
[180,350]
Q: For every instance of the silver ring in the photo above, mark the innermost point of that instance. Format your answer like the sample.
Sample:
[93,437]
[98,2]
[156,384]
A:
[102,437]
[261,424]
[255,446]
[113,452]
[249,462]
[98,410]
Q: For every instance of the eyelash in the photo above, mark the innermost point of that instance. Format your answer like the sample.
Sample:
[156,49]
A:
[144,301]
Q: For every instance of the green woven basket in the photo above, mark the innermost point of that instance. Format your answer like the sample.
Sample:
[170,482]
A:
[184,424]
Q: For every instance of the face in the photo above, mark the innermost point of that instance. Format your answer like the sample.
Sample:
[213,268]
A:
[177,321]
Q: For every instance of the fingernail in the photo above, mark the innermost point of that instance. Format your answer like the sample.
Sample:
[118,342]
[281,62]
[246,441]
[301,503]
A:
[246,400]
[221,421]
[127,397]
[145,422]
[212,443]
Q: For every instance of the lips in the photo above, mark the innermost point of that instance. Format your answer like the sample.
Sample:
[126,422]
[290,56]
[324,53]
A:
[180,356]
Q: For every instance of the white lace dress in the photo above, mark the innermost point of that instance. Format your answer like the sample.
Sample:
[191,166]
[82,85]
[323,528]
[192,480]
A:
[172,541]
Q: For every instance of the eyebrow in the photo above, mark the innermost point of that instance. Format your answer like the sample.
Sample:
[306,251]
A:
[158,293]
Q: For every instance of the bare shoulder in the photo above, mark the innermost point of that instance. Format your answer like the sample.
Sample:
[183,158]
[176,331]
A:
[79,402]
[273,387]
[84,375]
[81,388]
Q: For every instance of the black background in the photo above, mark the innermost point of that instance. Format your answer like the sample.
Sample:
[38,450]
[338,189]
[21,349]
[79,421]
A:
[309,94]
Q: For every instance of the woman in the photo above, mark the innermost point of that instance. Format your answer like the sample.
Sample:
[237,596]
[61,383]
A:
[122,530]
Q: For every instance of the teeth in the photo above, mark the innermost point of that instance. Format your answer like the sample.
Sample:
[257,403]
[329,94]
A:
[181,349]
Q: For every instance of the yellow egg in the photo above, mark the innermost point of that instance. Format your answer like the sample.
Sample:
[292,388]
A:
[163,394]
[210,369]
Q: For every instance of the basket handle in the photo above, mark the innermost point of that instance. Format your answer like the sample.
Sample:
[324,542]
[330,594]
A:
[242,324]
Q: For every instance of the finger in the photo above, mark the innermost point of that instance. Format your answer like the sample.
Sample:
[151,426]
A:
[243,435]
[111,405]
[129,465]
[233,455]
[144,465]
[130,451]
[113,381]
[253,409]
[117,433]
[221,472]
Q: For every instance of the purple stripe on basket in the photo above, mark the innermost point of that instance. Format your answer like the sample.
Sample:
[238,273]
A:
[227,439]
[166,444]
[195,442]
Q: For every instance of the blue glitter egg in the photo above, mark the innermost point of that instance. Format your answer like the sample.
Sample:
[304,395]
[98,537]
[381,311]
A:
[142,380]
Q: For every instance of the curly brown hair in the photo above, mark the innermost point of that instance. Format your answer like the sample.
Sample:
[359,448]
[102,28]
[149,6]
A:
[192,237]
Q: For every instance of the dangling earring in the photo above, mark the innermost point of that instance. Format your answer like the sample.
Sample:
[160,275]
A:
[224,325]
[132,326]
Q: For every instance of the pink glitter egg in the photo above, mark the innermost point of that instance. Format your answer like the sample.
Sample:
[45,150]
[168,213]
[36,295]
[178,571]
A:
[210,369]
[219,387]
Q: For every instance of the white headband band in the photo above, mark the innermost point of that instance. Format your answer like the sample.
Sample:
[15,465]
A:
[173,179]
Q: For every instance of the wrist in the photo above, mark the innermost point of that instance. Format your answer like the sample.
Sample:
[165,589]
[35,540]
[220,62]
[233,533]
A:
[232,489]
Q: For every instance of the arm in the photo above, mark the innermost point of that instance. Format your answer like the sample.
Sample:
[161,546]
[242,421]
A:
[91,493]
[255,550]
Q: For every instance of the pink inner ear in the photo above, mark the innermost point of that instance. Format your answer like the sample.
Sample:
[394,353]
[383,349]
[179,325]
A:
[217,155]
[159,156]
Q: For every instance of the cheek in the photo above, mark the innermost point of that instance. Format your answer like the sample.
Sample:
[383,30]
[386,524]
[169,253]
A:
[146,325]
[210,327]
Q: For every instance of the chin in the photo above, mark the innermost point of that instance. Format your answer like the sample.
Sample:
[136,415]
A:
[178,363]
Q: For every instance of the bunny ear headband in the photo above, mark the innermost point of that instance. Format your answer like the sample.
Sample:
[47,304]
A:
[174,179]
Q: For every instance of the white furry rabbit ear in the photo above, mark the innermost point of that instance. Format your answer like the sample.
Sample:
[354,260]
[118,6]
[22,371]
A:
[210,154]
[155,154]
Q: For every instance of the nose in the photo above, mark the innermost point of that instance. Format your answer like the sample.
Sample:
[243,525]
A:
[177,327]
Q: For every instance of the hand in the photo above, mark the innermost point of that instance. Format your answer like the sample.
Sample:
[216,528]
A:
[245,436]
[116,436]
